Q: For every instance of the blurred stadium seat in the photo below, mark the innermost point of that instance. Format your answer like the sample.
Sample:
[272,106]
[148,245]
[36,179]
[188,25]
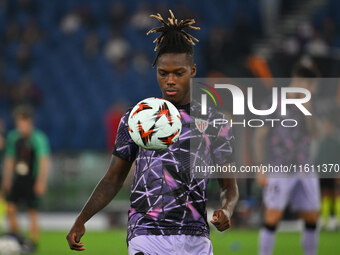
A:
[78,88]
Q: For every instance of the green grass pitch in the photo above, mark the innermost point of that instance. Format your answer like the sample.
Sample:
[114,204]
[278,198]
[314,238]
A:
[234,242]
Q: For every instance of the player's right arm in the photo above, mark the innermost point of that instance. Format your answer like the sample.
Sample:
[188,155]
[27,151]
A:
[8,174]
[104,192]
[9,162]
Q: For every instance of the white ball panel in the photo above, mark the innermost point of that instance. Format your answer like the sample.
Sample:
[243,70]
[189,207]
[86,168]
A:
[147,118]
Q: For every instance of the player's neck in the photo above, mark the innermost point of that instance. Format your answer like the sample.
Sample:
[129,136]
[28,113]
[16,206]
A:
[186,101]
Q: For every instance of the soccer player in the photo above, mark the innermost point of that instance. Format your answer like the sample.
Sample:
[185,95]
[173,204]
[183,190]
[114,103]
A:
[168,205]
[3,205]
[328,152]
[290,146]
[25,169]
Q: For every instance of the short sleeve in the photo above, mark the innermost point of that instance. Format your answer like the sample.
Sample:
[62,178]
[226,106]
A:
[10,144]
[124,146]
[41,144]
[222,148]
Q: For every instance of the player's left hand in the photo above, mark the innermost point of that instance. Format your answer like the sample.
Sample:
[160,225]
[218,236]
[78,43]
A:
[221,219]
[39,188]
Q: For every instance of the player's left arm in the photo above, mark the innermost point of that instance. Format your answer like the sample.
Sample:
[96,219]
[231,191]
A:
[9,163]
[43,152]
[41,182]
[229,197]
[223,154]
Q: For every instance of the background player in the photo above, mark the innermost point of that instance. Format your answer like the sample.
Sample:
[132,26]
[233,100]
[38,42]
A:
[168,206]
[3,205]
[25,169]
[328,152]
[290,146]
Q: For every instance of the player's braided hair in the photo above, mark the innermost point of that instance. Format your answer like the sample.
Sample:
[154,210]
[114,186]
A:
[173,38]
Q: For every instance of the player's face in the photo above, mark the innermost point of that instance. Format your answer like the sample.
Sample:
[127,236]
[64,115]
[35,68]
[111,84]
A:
[174,71]
[24,126]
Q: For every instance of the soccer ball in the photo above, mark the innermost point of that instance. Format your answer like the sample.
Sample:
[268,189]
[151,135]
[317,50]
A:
[9,246]
[154,124]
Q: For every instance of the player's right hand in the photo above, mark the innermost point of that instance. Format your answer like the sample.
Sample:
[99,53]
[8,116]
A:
[74,236]
[221,219]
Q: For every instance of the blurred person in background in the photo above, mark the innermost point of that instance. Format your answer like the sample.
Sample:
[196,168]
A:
[140,18]
[288,146]
[26,168]
[118,15]
[70,23]
[3,206]
[111,122]
[116,49]
[91,45]
[328,153]
[2,141]
[26,92]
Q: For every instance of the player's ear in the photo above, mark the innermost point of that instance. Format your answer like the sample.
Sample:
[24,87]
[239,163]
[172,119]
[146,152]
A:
[193,70]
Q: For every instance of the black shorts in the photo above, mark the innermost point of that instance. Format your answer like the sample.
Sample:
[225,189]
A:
[327,183]
[23,193]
